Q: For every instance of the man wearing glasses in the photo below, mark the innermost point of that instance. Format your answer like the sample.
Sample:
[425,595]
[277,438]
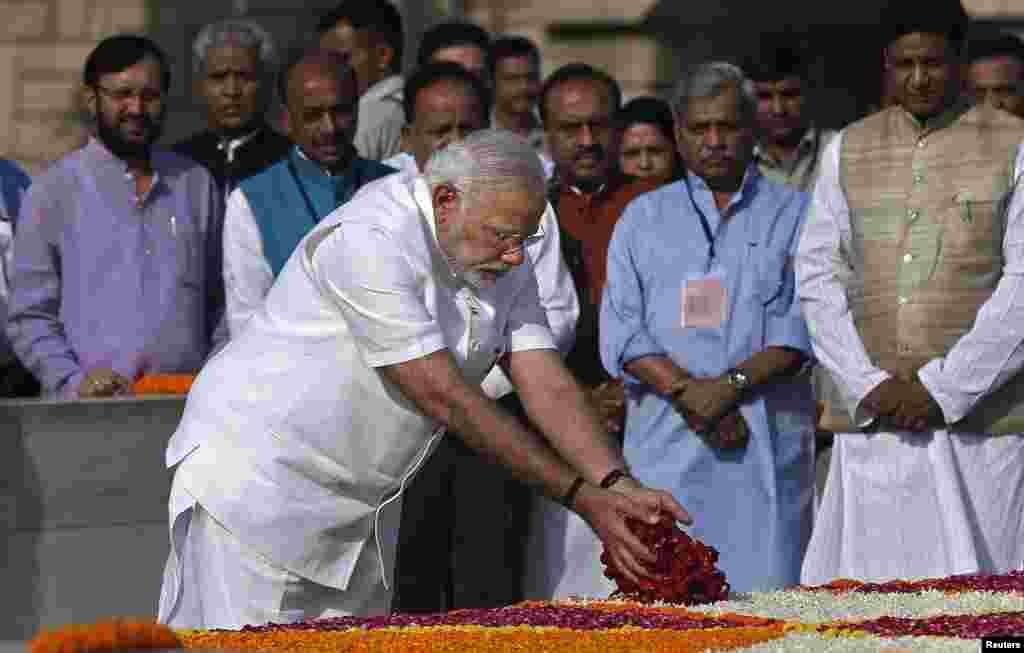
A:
[117,255]
[300,437]
[461,512]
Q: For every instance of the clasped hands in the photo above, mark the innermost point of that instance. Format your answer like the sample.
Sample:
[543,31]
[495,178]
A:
[903,404]
[709,406]
[103,382]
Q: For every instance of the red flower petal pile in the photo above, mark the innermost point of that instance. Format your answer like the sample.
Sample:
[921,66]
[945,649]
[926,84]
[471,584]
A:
[685,571]
[1010,582]
[968,626]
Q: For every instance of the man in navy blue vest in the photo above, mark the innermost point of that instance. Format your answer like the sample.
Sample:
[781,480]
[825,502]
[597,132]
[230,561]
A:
[270,212]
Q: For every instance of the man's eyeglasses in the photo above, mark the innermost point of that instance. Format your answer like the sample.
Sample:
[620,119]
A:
[148,96]
[511,242]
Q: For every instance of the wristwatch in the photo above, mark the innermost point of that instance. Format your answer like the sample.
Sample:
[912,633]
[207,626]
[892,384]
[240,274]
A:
[738,379]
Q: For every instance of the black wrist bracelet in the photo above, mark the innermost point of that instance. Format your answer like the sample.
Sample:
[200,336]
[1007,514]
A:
[612,478]
[574,489]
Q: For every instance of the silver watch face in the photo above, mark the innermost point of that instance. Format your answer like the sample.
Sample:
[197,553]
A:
[739,379]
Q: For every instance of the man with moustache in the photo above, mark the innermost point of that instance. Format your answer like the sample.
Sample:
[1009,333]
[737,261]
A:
[788,150]
[235,63]
[462,512]
[578,104]
[300,438]
[911,277]
[514,66]
[789,145]
[270,212]
[995,73]
[699,317]
[117,264]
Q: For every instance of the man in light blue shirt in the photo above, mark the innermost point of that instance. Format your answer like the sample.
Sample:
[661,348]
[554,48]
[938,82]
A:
[117,255]
[699,317]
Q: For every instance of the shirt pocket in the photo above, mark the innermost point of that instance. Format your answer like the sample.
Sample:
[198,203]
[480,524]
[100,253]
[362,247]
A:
[973,222]
[185,248]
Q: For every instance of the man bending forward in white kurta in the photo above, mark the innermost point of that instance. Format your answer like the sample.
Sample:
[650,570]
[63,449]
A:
[910,275]
[299,437]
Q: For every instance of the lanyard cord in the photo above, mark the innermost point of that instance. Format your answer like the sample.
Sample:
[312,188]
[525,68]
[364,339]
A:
[302,191]
[703,220]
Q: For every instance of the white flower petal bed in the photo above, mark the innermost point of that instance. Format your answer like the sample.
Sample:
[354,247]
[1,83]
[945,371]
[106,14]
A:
[809,642]
[824,607]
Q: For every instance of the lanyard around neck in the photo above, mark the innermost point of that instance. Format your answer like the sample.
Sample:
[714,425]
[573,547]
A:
[706,226]
[302,191]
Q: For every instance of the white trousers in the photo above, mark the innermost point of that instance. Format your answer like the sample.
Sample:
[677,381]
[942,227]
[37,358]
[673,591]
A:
[213,580]
[901,505]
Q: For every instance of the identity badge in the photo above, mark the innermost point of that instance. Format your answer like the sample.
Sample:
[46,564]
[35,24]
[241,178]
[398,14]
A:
[705,301]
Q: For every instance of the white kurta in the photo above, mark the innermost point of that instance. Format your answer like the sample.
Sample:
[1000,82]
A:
[291,439]
[903,505]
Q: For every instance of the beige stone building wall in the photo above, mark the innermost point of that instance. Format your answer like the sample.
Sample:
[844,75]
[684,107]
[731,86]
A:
[632,59]
[639,62]
[43,44]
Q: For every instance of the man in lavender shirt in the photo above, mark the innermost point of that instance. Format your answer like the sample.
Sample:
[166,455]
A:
[118,253]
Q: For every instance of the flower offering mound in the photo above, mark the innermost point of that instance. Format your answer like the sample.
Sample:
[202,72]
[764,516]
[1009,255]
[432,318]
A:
[686,568]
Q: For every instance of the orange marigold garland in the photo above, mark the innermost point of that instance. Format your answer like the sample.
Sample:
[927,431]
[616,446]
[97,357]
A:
[685,570]
[163,384]
[111,635]
[485,639]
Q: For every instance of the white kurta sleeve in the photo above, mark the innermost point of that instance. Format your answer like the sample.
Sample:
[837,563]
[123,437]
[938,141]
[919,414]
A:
[363,272]
[557,298]
[992,352]
[247,273]
[824,270]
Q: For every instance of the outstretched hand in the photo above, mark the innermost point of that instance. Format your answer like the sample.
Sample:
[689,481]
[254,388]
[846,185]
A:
[607,511]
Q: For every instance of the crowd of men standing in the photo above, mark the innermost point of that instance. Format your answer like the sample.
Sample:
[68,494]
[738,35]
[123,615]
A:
[731,284]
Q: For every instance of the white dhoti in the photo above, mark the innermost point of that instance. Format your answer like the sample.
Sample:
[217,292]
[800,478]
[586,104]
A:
[213,580]
[919,506]
[563,556]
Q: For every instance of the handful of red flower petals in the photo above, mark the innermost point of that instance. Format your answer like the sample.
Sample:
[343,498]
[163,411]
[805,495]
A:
[685,571]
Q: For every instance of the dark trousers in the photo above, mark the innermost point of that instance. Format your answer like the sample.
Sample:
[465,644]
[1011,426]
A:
[463,532]
[16,381]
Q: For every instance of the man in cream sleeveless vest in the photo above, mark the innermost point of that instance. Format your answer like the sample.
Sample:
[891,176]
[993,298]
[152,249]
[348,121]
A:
[910,275]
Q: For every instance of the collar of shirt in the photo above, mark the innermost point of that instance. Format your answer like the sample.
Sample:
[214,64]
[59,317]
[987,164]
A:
[747,187]
[339,185]
[942,120]
[231,145]
[807,146]
[103,161]
[389,86]
[403,161]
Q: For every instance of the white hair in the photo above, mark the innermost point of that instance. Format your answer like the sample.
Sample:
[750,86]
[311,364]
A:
[487,160]
[709,80]
[236,33]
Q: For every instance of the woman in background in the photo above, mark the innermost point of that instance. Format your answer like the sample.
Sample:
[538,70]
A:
[645,142]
